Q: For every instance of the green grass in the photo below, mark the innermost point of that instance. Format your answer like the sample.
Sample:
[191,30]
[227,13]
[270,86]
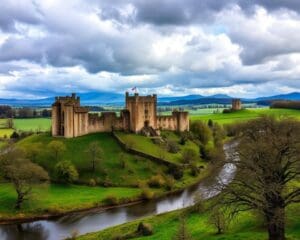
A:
[145,144]
[110,167]
[245,226]
[6,132]
[33,124]
[59,198]
[246,114]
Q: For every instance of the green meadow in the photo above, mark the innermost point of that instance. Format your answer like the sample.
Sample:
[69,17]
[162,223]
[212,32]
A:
[246,114]
[55,198]
[33,124]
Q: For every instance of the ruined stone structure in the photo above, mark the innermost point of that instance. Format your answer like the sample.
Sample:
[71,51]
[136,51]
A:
[236,104]
[69,119]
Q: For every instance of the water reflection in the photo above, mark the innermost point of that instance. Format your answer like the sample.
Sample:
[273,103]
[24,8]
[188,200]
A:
[92,221]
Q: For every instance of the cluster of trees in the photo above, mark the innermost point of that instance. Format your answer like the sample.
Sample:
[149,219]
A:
[286,104]
[21,168]
[24,112]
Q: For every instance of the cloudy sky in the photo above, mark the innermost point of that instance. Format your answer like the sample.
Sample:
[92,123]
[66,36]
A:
[171,47]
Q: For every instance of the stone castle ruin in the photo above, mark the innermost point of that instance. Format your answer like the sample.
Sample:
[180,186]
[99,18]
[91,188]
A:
[236,104]
[69,119]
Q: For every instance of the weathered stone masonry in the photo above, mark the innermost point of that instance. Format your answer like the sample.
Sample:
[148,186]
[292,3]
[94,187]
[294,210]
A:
[69,119]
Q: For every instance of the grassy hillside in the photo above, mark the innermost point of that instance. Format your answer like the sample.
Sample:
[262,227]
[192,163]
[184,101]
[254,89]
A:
[246,226]
[246,114]
[146,145]
[110,169]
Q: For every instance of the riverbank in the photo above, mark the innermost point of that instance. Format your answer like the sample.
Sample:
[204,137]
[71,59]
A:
[245,226]
[61,200]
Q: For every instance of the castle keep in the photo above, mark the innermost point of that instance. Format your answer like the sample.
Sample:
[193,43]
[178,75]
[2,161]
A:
[69,119]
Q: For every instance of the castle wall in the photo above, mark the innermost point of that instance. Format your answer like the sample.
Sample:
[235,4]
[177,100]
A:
[69,119]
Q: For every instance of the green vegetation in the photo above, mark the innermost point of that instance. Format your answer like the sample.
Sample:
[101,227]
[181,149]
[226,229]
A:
[56,199]
[246,114]
[116,168]
[146,145]
[6,132]
[32,124]
[245,226]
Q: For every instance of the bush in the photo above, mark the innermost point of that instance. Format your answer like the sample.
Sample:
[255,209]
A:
[170,182]
[92,182]
[194,170]
[66,172]
[145,229]
[188,156]
[147,194]
[172,147]
[156,181]
[14,135]
[201,131]
[205,152]
[111,200]
[175,171]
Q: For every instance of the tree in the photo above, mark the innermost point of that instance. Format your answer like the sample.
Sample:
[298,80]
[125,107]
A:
[201,131]
[269,160]
[22,173]
[56,148]
[218,219]
[189,155]
[95,154]
[9,123]
[33,150]
[66,172]
[182,232]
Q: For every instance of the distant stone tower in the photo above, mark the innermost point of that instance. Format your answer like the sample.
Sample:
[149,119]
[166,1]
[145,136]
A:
[142,111]
[236,104]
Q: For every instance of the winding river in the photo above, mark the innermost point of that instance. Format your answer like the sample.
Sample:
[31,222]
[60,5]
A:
[91,221]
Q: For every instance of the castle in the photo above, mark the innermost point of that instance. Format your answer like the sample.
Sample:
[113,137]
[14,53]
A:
[69,119]
[236,104]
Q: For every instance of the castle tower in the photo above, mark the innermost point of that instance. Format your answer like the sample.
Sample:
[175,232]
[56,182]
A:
[236,104]
[68,118]
[142,111]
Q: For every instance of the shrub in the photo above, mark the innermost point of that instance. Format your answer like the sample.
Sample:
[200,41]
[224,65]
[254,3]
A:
[145,229]
[66,172]
[92,182]
[156,181]
[14,135]
[175,171]
[147,194]
[170,182]
[111,200]
[188,156]
[201,131]
[172,147]
[194,170]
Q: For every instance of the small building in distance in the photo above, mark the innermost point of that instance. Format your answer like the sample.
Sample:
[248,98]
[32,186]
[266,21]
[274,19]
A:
[236,104]
[69,119]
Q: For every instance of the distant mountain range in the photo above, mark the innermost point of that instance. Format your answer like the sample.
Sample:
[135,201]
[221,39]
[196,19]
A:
[107,98]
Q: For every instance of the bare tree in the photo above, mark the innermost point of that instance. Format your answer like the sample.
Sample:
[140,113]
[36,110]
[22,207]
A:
[269,159]
[95,153]
[182,232]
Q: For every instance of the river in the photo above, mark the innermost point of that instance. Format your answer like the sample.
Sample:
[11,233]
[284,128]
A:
[91,221]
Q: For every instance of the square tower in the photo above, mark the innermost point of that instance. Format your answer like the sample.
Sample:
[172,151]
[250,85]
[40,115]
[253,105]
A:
[142,111]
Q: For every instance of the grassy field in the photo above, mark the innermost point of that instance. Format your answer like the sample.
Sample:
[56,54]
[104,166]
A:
[146,145]
[5,132]
[109,170]
[245,226]
[246,114]
[33,124]
[59,198]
